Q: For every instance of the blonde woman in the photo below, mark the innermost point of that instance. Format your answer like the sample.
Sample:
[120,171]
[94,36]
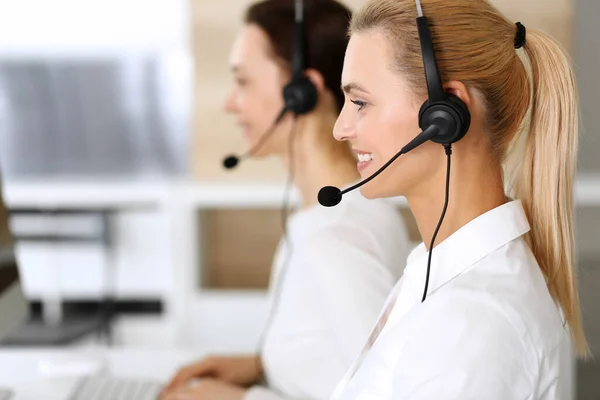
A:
[501,315]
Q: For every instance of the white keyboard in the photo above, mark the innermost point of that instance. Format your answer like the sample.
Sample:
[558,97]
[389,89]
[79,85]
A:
[111,388]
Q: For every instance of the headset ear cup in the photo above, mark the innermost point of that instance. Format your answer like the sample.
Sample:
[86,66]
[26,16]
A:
[463,112]
[451,115]
[422,110]
[300,96]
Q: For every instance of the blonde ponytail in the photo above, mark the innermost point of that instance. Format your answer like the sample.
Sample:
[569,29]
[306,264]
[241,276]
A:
[544,177]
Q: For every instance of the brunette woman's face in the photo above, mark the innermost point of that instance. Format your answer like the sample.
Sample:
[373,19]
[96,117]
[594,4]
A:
[256,96]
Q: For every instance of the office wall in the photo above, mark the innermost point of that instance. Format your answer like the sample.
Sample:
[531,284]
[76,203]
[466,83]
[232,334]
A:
[586,49]
[586,52]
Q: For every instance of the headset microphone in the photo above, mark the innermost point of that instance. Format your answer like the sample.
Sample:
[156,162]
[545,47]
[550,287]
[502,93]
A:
[231,161]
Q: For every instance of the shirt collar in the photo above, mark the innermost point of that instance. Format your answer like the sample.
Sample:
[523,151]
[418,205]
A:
[465,247]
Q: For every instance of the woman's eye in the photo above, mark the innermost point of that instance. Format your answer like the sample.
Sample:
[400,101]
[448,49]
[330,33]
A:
[360,104]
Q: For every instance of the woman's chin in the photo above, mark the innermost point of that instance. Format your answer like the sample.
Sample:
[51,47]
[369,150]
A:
[369,191]
[376,190]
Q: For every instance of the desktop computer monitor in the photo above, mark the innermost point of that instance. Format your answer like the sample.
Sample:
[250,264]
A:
[13,305]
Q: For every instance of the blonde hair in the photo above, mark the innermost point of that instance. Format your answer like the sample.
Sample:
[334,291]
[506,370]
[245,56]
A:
[474,44]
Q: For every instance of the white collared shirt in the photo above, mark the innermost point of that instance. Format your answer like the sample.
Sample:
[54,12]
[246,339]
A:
[488,329]
[345,261]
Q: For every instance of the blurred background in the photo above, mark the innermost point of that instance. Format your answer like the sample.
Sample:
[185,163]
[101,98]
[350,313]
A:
[111,140]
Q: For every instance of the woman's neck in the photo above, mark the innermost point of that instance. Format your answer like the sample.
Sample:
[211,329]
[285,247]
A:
[319,160]
[475,187]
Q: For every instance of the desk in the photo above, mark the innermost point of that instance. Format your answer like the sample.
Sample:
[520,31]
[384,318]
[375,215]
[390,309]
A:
[19,368]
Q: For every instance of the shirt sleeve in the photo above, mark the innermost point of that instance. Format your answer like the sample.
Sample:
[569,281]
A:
[449,356]
[351,284]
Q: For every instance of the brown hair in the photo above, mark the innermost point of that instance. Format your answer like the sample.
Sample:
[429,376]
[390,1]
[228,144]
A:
[326,23]
[474,44]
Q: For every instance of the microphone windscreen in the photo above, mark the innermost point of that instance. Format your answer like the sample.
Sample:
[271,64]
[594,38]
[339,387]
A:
[230,162]
[329,196]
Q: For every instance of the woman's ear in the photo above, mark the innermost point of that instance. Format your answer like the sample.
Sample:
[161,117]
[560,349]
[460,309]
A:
[316,78]
[460,90]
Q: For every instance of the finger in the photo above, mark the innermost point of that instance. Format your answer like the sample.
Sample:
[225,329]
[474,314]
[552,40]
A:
[187,373]
[178,396]
[183,393]
[173,395]
[165,393]
[175,381]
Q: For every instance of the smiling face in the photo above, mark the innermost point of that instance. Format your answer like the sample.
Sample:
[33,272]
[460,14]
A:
[256,97]
[379,117]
